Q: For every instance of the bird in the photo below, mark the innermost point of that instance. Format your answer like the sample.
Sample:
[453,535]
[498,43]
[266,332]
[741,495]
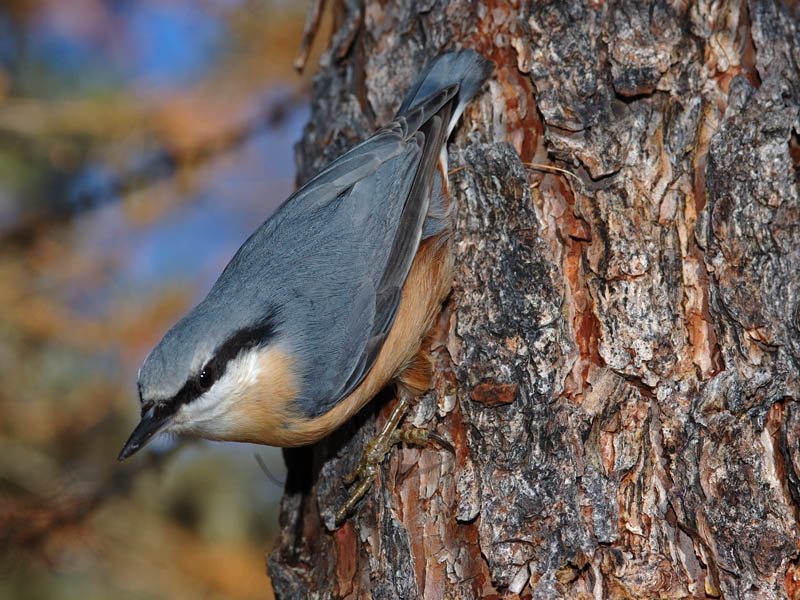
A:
[330,299]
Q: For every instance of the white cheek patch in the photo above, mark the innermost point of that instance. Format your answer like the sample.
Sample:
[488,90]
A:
[206,414]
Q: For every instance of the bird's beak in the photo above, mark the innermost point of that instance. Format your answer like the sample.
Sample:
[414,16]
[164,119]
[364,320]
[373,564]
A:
[147,428]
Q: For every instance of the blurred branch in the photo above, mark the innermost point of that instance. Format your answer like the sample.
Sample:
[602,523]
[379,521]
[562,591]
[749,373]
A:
[155,168]
[34,117]
[34,525]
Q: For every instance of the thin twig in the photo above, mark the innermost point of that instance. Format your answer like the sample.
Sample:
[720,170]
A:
[309,33]
[553,169]
[267,472]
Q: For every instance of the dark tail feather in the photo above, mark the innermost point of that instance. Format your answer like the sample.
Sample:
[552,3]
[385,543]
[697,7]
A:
[466,68]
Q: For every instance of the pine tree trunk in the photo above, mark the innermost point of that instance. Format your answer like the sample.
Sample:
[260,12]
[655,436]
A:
[619,358]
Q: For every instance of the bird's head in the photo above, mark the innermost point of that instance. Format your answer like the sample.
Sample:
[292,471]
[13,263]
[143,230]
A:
[223,384]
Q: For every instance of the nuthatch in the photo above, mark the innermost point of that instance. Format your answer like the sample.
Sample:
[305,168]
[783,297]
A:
[330,299]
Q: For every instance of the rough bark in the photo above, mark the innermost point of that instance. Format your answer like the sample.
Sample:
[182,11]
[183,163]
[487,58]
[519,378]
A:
[620,355]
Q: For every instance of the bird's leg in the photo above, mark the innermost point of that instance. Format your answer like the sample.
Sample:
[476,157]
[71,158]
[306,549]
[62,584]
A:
[375,452]
[372,456]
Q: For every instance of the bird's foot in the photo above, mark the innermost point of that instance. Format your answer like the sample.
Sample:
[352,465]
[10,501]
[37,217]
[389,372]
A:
[416,436]
[375,452]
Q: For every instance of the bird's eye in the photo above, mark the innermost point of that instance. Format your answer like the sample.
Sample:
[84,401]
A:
[206,379]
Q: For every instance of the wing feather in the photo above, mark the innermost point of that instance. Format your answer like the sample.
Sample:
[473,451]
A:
[430,136]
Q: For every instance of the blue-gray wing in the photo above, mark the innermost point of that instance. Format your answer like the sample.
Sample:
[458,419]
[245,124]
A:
[386,211]
[430,121]
[331,262]
[324,275]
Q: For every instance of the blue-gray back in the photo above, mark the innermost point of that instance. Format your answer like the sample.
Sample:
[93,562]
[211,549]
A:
[330,264]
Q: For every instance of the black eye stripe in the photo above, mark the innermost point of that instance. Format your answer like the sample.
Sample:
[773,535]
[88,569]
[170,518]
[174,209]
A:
[240,341]
[237,343]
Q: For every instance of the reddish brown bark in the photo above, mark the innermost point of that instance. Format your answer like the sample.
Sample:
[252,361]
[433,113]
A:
[619,374]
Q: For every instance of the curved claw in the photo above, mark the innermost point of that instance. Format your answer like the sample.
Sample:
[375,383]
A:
[442,441]
[422,437]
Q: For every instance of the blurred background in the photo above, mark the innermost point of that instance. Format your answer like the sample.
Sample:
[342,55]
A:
[141,142]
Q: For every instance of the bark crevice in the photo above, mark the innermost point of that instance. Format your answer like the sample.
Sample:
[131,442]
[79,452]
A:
[619,366]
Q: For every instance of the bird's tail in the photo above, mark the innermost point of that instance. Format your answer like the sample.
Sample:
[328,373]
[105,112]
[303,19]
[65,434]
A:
[466,68]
